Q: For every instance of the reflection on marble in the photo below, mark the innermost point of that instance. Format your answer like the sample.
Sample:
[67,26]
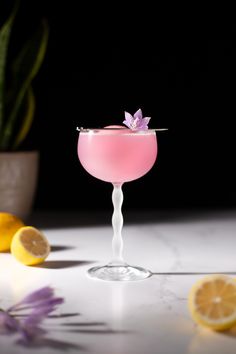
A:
[143,317]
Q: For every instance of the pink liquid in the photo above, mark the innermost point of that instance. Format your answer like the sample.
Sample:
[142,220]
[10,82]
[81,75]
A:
[117,156]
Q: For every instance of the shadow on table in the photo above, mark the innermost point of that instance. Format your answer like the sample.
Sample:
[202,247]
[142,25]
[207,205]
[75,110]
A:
[97,327]
[60,264]
[73,327]
[99,331]
[192,273]
[65,315]
[57,248]
[230,333]
[82,327]
[83,324]
[52,344]
[62,315]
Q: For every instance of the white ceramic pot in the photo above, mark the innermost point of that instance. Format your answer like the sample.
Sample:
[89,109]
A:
[18,180]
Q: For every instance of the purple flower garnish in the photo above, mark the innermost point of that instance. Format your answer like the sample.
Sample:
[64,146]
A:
[26,316]
[136,122]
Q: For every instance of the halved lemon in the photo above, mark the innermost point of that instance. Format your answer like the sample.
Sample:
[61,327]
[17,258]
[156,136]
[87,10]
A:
[29,246]
[212,302]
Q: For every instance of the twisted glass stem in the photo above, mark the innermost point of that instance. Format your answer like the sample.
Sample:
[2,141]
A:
[117,223]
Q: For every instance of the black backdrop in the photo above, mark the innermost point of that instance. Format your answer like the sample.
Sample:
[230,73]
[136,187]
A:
[102,61]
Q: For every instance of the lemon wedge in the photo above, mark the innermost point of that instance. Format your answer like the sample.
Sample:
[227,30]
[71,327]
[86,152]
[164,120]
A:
[212,302]
[9,224]
[29,246]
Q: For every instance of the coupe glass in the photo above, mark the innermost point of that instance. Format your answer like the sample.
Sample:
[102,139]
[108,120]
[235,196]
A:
[117,155]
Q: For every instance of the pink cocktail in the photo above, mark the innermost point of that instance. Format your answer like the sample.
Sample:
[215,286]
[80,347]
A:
[117,155]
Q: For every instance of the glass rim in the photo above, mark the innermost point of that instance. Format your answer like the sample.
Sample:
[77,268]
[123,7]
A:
[87,130]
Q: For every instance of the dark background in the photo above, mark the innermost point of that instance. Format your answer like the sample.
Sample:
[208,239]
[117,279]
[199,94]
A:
[101,61]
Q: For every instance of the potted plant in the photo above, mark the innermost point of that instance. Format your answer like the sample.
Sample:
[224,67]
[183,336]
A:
[18,169]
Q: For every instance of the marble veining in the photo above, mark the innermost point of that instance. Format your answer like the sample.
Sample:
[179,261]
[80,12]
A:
[143,317]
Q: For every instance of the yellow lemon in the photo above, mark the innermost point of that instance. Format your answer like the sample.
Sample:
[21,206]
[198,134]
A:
[212,302]
[29,246]
[9,224]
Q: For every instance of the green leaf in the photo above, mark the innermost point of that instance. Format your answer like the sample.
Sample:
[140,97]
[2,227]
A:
[5,32]
[32,54]
[24,69]
[28,118]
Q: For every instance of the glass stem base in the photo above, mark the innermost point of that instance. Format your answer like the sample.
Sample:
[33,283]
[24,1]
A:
[116,272]
[118,269]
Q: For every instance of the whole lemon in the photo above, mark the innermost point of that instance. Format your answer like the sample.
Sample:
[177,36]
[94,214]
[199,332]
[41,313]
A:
[9,224]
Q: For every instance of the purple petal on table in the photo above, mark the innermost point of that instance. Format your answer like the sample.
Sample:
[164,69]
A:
[8,324]
[28,334]
[49,302]
[47,306]
[35,319]
[55,301]
[42,311]
[39,295]
[35,297]
[38,305]
[138,114]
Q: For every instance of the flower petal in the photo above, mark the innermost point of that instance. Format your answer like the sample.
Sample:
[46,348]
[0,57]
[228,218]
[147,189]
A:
[42,311]
[137,121]
[143,126]
[35,319]
[138,114]
[39,295]
[40,303]
[127,124]
[128,118]
[29,334]
[8,324]
[50,302]
[42,294]
[146,120]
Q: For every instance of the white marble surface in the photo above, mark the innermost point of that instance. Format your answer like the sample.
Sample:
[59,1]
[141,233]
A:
[144,317]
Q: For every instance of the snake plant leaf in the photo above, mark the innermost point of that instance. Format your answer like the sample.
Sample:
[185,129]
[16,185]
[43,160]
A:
[27,119]
[24,69]
[5,32]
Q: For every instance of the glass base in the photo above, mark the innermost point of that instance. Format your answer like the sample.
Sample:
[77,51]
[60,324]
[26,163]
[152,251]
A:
[119,273]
